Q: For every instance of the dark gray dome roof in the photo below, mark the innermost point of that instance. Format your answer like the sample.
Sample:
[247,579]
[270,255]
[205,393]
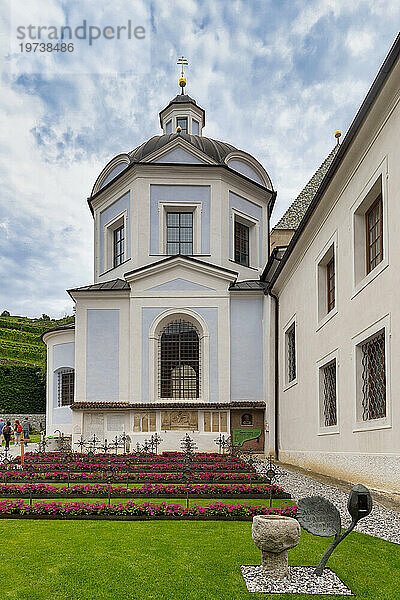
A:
[215,149]
[182,98]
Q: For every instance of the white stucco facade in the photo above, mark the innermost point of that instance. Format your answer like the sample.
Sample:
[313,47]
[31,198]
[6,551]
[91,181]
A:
[358,447]
[121,317]
[270,336]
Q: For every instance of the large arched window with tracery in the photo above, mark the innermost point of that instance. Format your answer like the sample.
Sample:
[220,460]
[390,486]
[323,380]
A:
[179,361]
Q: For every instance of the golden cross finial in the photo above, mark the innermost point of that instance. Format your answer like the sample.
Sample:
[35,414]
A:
[182,81]
[182,61]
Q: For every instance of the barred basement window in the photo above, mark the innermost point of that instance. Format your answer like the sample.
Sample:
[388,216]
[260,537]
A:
[291,353]
[179,361]
[65,387]
[329,394]
[373,397]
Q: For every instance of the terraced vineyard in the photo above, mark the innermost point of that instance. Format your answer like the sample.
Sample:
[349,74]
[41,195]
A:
[20,339]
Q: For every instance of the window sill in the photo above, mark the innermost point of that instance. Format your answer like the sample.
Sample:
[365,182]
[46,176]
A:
[326,318]
[334,430]
[368,278]
[290,385]
[371,425]
[245,266]
[112,268]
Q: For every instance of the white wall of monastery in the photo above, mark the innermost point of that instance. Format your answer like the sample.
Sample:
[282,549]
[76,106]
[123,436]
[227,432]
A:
[358,450]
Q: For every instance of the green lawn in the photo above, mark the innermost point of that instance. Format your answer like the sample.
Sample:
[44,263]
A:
[106,560]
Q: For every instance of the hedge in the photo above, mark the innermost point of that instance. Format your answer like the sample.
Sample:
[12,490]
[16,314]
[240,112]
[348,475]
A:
[22,389]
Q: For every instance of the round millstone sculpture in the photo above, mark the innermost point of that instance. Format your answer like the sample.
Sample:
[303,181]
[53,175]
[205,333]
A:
[274,535]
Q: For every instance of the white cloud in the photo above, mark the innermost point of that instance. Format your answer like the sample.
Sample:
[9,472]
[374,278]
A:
[276,82]
[360,43]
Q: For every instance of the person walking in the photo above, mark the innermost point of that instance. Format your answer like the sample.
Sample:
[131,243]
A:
[2,425]
[25,428]
[17,432]
[7,434]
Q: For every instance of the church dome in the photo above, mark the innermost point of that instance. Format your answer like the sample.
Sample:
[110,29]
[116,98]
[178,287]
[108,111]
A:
[215,149]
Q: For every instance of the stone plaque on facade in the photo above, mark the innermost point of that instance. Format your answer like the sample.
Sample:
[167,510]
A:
[93,423]
[179,420]
[116,422]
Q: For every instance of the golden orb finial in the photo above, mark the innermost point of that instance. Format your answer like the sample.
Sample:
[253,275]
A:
[182,81]
[338,133]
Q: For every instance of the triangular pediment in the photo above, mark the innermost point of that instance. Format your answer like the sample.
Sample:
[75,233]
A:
[180,151]
[180,275]
[179,155]
[180,284]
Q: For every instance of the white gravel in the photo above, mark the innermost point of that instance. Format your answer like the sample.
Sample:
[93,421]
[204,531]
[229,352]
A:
[381,522]
[301,580]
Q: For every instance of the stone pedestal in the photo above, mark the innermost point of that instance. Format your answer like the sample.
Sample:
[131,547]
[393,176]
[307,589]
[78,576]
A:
[274,535]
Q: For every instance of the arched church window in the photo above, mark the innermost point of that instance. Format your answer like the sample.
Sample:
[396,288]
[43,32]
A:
[247,419]
[179,364]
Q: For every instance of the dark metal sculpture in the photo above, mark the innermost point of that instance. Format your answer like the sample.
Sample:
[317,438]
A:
[188,445]
[81,443]
[124,439]
[116,443]
[155,441]
[320,517]
[93,444]
[270,471]
[222,443]
[4,456]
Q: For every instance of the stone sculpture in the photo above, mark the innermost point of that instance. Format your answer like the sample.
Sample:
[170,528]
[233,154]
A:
[274,535]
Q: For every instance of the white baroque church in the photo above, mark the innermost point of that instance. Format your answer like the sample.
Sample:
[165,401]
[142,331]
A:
[201,319]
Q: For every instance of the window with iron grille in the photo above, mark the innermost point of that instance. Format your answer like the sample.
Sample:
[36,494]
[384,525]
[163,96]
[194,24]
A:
[330,276]
[179,361]
[119,238]
[65,387]
[374,230]
[183,123]
[329,394]
[291,353]
[241,244]
[373,396]
[179,233]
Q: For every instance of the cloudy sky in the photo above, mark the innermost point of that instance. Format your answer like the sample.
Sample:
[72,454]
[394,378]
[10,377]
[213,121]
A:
[276,77]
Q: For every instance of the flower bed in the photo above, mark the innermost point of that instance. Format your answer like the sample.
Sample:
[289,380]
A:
[164,467]
[130,510]
[37,490]
[62,458]
[61,476]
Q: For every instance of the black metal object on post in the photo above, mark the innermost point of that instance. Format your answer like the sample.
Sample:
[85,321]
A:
[320,517]
[81,443]
[222,443]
